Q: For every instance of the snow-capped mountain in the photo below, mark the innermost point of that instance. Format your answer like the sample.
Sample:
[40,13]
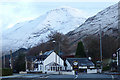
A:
[29,33]
[107,19]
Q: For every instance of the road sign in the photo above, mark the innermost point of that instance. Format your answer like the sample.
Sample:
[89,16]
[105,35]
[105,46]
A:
[114,55]
[75,65]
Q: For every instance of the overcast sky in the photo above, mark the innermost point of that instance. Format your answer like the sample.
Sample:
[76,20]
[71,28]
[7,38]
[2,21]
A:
[15,12]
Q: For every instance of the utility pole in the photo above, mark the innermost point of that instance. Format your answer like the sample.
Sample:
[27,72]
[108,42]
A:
[101,47]
[59,56]
[4,60]
[26,62]
[11,60]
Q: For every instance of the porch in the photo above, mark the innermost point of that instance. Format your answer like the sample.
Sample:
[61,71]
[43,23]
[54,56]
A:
[53,67]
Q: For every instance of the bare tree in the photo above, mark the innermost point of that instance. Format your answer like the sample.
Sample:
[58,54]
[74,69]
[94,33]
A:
[109,46]
[92,45]
[61,41]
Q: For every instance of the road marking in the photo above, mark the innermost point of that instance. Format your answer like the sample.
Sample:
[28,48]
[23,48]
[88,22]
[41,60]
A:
[76,76]
[112,77]
[44,76]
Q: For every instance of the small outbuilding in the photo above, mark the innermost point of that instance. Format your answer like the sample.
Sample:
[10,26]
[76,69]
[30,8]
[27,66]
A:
[84,65]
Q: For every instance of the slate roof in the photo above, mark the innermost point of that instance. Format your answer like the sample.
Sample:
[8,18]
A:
[81,61]
[40,57]
[118,49]
[48,52]
[44,56]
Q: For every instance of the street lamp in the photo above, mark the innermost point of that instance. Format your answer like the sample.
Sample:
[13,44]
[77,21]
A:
[53,41]
[58,53]
[89,58]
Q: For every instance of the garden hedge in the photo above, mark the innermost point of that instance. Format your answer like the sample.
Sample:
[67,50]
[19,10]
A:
[6,72]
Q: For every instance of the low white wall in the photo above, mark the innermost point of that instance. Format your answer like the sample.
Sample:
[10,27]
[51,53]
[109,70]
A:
[22,72]
[99,70]
[62,72]
[68,73]
[52,72]
[69,67]
[91,70]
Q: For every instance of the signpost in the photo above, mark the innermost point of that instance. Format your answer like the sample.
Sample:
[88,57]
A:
[75,68]
[98,66]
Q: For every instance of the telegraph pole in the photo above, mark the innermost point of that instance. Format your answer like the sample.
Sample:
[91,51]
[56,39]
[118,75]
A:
[59,57]
[4,60]
[101,46]
[26,63]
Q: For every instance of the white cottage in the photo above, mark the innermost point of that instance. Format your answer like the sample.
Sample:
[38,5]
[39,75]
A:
[48,62]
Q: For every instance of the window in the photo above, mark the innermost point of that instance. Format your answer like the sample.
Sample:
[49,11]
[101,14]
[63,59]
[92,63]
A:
[54,68]
[40,67]
[36,66]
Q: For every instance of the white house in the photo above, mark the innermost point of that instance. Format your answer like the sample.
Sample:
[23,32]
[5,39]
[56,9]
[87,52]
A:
[48,62]
[84,65]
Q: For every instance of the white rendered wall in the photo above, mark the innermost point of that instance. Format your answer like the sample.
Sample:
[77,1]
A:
[52,58]
[69,67]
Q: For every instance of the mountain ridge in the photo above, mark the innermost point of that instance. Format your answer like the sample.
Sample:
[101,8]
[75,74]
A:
[107,19]
[29,33]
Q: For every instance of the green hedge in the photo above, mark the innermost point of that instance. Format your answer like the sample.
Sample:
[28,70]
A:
[106,68]
[6,72]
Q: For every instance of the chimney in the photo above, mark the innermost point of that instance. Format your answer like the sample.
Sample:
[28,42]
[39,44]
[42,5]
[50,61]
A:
[40,53]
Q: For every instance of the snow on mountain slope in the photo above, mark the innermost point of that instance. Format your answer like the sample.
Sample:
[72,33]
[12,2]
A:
[29,33]
[107,19]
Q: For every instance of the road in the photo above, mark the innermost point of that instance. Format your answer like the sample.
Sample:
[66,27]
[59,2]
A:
[61,77]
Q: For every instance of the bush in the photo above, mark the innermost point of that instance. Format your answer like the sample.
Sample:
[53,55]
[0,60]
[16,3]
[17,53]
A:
[6,72]
[106,68]
[19,64]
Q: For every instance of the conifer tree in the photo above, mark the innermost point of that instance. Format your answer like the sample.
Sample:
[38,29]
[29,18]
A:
[80,53]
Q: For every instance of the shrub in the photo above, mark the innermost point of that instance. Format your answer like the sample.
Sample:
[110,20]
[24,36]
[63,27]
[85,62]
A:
[106,68]
[6,72]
